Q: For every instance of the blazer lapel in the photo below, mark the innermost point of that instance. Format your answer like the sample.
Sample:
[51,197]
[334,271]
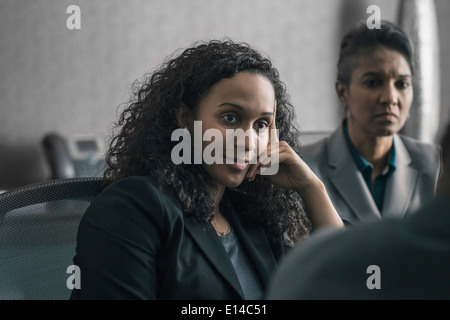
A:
[401,184]
[208,241]
[349,182]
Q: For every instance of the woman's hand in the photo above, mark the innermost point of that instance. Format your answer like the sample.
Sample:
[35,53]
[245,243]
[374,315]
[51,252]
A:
[282,165]
[287,170]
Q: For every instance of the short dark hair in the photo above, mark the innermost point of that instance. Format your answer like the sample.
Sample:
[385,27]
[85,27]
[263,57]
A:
[362,38]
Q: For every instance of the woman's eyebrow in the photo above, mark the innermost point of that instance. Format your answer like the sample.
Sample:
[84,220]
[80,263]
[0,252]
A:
[378,74]
[243,109]
[231,105]
[371,74]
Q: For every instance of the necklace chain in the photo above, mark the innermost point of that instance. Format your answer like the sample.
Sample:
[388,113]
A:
[220,233]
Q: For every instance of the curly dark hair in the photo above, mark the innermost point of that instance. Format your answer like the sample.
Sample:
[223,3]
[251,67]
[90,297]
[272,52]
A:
[143,143]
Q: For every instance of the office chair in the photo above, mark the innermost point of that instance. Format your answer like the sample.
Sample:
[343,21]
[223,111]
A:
[38,227]
[74,156]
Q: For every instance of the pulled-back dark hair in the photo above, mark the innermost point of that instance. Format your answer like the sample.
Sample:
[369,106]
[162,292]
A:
[362,38]
[143,144]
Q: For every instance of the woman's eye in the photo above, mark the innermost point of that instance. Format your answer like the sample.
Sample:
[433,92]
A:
[230,118]
[371,83]
[262,124]
[402,84]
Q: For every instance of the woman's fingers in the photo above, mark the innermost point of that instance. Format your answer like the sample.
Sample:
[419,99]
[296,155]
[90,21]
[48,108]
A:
[268,157]
[268,161]
[252,171]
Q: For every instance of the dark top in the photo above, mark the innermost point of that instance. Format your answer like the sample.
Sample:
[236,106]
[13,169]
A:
[250,283]
[366,168]
[135,242]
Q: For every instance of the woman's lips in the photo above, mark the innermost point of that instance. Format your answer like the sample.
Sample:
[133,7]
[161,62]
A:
[387,116]
[239,166]
[236,164]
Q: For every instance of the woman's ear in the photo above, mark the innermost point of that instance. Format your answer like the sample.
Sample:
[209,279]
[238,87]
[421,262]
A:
[340,91]
[184,116]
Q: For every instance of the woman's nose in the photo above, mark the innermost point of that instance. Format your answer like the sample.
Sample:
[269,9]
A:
[251,141]
[389,95]
[247,145]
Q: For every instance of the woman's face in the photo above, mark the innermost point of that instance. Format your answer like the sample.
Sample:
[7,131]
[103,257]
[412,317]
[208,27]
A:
[245,101]
[380,92]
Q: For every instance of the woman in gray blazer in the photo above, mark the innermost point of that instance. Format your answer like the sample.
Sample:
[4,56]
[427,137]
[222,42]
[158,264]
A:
[370,171]
[389,259]
[187,213]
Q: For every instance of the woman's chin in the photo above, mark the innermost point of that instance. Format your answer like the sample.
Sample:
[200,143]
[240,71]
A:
[226,175]
[234,183]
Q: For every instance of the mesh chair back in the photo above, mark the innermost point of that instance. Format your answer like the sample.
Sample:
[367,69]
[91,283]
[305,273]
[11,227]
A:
[38,227]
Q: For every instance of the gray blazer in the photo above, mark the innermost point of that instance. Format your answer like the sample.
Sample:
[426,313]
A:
[411,184]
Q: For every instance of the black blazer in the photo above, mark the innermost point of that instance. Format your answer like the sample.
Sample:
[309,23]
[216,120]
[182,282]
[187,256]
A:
[135,242]
[409,259]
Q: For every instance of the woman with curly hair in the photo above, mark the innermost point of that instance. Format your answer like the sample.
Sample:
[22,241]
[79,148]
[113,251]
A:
[161,229]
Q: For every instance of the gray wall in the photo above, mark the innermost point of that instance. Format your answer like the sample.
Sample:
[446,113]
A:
[72,81]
